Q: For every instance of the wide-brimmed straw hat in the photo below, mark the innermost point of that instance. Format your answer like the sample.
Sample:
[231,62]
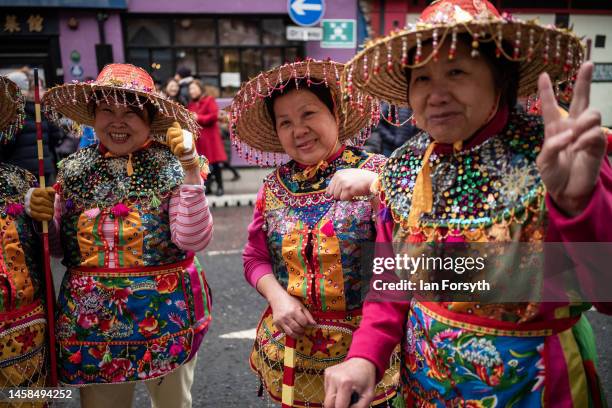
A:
[114,82]
[11,110]
[379,70]
[252,130]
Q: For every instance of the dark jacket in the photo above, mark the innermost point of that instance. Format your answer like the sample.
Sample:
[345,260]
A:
[23,151]
[391,136]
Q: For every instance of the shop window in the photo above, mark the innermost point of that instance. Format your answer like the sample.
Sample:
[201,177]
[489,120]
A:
[148,32]
[272,57]
[208,63]
[273,32]
[223,52]
[195,31]
[250,63]
[238,32]
[139,57]
[161,64]
[185,58]
[291,54]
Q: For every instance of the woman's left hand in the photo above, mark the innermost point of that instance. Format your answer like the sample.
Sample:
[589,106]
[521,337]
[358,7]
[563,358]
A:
[185,151]
[175,139]
[349,183]
[574,146]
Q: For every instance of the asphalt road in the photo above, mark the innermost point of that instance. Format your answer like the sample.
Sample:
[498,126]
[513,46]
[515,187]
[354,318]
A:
[223,377]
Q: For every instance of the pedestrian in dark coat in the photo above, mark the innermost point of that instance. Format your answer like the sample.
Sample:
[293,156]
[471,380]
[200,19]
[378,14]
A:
[23,150]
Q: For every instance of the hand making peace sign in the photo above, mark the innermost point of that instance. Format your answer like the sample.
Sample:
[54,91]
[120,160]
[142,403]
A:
[574,146]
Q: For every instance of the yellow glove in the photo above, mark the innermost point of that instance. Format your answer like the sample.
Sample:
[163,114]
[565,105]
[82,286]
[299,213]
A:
[176,140]
[41,204]
[180,143]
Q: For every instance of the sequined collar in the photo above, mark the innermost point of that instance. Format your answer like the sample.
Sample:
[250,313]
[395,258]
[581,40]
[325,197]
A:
[14,184]
[88,179]
[312,191]
[480,185]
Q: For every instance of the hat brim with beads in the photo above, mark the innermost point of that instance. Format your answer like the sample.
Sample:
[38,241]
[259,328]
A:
[379,70]
[12,113]
[252,130]
[114,82]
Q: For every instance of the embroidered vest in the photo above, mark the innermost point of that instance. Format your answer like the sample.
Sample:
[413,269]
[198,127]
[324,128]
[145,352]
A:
[20,263]
[96,188]
[315,241]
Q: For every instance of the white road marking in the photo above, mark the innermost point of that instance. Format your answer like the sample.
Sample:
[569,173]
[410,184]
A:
[243,334]
[224,252]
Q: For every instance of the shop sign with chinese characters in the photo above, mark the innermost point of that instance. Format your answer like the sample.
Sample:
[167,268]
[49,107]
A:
[27,24]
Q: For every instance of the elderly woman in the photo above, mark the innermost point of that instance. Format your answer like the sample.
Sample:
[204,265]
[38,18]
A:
[482,172]
[304,246]
[130,212]
[23,323]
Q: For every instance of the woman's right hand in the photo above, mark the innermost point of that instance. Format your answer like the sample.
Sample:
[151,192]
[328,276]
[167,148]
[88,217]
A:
[290,315]
[41,204]
[355,375]
[349,183]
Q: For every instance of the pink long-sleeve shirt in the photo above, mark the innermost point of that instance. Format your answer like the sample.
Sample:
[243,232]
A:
[383,322]
[191,224]
[256,257]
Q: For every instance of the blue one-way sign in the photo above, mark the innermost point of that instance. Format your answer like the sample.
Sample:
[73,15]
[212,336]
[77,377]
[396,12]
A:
[306,12]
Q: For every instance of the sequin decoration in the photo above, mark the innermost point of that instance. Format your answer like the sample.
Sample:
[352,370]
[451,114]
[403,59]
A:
[474,188]
[87,179]
[14,184]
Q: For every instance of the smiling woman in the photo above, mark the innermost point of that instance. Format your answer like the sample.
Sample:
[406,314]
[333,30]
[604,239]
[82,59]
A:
[483,171]
[305,122]
[304,245]
[129,212]
[122,129]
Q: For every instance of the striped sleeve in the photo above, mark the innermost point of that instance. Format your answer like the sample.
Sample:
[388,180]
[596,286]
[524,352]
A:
[191,223]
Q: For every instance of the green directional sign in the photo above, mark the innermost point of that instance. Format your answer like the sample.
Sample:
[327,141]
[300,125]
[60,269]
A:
[339,33]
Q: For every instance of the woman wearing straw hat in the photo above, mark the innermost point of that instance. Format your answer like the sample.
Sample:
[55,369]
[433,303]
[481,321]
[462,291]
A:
[23,325]
[131,213]
[483,172]
[304,247]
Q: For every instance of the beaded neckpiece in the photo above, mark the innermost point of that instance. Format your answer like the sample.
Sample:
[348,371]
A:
[489,183]
[14,184]
[87,179]
[309,192]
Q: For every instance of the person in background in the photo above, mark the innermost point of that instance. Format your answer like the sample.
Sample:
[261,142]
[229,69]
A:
[22,151]
[184,77]
[224,130]
[391,135]
[172,89]
[209,143]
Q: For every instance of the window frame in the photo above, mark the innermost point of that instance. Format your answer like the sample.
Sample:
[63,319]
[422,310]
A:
[171,24]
